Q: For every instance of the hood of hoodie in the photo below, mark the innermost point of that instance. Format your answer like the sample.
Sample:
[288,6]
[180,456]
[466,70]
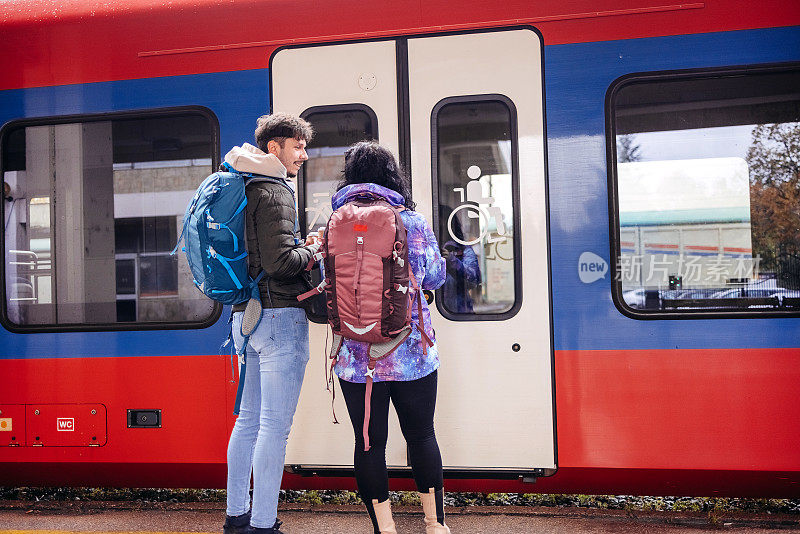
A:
[349,192]
[247,158]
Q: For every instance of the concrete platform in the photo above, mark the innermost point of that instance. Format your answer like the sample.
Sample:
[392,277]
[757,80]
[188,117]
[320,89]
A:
[95,517]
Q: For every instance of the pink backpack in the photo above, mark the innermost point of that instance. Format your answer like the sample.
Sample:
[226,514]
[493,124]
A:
[369,285]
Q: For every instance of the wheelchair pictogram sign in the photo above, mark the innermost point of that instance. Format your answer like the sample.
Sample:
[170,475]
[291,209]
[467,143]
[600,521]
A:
[477,206]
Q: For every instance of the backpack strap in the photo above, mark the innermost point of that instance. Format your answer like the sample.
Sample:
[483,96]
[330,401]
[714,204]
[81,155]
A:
[250,321]
[242,356]
[183,232]
[368,403]
[211,223]
[379,351]
[318,256]
[242,364]
[200,192]
[424,340]
[252,177]
[330,384]
[314,291]
[240,389]
[225,261]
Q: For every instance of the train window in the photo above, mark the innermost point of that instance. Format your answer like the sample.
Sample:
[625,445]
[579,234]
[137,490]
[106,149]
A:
[93,206]
[475,176]
[707,185]
[335,129]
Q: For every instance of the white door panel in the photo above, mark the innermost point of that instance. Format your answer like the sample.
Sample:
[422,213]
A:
[494,406]
[358,73]
[302,78]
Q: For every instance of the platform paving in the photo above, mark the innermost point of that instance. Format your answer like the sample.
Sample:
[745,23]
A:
[95,517]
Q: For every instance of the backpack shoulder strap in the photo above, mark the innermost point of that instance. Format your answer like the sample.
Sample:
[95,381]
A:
[425,341]
[250,178]
[256,178]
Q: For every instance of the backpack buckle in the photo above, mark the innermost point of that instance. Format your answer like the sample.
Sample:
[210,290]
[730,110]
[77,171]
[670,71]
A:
[360,240]
[213,225]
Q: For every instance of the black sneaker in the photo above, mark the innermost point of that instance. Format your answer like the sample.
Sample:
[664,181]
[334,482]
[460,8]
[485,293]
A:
[236,524]
[275,529]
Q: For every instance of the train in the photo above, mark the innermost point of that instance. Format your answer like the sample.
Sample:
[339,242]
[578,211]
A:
[623,172]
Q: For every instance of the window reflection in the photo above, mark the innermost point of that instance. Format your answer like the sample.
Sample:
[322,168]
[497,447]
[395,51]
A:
[334,131]
[706,193]
[92,213]
[474,178]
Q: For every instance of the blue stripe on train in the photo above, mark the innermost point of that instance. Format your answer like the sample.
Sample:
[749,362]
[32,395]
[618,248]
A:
[577,77]
[237,99]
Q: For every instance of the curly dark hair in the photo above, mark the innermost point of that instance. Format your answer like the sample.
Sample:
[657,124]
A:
[369,162]
[280,127]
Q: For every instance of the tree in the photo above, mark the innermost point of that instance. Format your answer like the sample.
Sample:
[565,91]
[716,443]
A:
[626,149]
[774,161]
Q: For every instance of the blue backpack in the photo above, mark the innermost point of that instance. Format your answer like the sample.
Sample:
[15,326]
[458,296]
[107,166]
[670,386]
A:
[214,242]
[213,228]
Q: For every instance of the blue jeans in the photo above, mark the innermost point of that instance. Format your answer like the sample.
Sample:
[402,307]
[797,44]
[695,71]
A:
[276,360]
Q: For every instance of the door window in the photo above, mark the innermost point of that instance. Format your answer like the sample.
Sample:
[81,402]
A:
[335,129]
[476,173]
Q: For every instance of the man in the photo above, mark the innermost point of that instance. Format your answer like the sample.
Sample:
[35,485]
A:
[278,348]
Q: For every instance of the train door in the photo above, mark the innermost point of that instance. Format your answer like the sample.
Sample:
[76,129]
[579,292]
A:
[348,92]
[463,112]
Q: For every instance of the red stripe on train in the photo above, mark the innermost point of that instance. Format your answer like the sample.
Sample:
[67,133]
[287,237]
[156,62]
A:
[680,413]
[45,47]
[679,409]
[701,247]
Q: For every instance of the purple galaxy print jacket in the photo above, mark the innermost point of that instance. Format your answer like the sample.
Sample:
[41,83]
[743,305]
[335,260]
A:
[407,362]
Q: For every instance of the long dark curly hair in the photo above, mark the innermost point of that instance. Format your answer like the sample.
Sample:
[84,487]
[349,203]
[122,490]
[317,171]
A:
[369,162]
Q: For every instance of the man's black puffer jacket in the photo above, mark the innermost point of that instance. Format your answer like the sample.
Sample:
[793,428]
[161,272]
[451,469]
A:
[270,216]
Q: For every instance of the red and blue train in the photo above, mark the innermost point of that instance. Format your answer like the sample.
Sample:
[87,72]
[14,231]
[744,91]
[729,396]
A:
[590,358]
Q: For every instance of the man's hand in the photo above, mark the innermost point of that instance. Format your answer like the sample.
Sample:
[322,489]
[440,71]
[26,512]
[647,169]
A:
[312,238]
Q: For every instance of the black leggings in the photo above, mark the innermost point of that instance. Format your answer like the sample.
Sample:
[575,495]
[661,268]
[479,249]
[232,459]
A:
[414,401]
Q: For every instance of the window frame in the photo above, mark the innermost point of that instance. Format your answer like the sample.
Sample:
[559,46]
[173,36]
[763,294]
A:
[301,176]
[102,117]
[515,199]
[613,192]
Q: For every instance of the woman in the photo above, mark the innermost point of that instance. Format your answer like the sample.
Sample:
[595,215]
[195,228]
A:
[408,376]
